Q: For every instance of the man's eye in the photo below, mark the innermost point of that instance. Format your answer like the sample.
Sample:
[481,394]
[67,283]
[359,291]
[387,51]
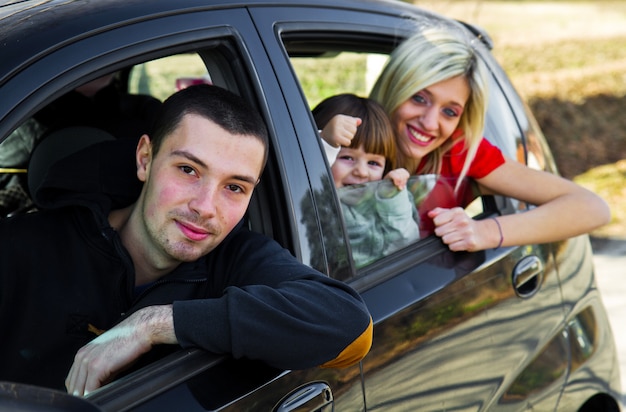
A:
[235,188]
[187,170]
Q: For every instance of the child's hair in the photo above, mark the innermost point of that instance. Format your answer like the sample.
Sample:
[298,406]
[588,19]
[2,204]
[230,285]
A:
[428,57]
[374,135]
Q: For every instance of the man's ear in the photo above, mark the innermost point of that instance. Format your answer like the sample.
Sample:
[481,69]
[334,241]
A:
[143,157]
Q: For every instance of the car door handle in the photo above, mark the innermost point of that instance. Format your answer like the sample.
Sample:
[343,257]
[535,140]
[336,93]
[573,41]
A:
[527,276]
[312,397]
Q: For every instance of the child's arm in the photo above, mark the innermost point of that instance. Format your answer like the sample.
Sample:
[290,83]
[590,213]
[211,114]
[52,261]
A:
[340,130]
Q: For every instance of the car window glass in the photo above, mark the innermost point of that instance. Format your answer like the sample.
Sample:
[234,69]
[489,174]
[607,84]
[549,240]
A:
[380,219]
[501,127]
[14,153]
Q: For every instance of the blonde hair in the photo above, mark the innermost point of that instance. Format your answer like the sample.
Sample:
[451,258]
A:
[430,56]
[375,134]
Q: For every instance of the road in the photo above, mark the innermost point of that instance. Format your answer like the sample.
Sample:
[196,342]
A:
[610,263]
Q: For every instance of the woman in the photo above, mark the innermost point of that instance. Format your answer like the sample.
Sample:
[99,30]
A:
[434,89]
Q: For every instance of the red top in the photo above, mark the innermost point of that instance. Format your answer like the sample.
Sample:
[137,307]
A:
[488,158]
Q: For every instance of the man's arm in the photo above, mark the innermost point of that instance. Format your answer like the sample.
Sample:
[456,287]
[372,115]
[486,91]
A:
[100,360]
[273,308]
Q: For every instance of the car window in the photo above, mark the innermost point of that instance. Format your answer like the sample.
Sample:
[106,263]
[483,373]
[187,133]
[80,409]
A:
[501,124]
[338,72]
[352,68]
[156,78]
[162,77]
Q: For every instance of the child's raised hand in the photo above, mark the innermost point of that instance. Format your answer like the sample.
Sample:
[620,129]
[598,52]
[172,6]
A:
[399,177]
[340,130]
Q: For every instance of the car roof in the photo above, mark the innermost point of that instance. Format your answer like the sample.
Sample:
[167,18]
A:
[32,28]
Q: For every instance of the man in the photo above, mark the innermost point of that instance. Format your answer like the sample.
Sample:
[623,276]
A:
[177,264]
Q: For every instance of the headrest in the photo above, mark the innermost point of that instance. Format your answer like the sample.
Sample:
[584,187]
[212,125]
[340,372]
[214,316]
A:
[59,145]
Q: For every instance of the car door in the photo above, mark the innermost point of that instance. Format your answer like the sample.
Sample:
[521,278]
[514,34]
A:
[453,331]
[228,44]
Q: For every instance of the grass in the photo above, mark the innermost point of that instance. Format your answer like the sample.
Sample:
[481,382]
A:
[608,181]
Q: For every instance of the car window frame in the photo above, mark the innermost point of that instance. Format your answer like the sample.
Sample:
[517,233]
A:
[490,204]
[386,268]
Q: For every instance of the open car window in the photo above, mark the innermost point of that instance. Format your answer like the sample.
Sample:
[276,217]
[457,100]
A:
[351,65]
[164,76]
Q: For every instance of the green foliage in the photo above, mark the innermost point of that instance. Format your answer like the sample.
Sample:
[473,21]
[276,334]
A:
[158,77]
[324,77]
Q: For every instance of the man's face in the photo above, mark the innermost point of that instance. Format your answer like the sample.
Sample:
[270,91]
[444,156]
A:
[196,189]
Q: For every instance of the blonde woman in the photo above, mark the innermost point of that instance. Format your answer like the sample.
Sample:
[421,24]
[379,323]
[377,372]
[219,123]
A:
[434,89]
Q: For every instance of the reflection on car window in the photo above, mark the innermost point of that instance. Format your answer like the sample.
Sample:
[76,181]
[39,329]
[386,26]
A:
[380,219]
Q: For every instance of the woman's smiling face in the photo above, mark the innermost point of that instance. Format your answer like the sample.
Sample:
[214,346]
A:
[426,120]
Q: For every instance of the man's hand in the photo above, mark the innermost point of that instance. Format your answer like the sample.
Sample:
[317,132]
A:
[340,130]
[100,360]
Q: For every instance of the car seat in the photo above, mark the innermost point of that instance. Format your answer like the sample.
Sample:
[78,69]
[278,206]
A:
[57,146]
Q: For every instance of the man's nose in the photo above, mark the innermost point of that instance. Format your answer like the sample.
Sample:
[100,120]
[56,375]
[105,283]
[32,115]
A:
[204,201]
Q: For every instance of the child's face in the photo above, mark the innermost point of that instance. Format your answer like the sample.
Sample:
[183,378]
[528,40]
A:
[354,166]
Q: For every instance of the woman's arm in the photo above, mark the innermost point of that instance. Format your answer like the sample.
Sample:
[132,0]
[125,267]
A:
[565,209]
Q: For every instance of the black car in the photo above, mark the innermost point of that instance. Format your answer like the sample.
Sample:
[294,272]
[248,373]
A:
[508,329]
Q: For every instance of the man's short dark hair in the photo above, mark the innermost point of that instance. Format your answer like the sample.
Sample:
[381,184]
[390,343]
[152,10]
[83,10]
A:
[223,107]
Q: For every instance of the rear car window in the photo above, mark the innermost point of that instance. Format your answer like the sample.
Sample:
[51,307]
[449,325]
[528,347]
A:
[351,66]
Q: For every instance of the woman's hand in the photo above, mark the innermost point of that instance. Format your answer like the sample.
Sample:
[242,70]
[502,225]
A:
[462,233]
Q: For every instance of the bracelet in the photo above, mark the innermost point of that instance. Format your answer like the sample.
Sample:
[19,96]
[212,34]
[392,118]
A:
[499,230]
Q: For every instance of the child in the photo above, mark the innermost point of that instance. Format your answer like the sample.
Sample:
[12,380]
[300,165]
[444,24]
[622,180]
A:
[379,217]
